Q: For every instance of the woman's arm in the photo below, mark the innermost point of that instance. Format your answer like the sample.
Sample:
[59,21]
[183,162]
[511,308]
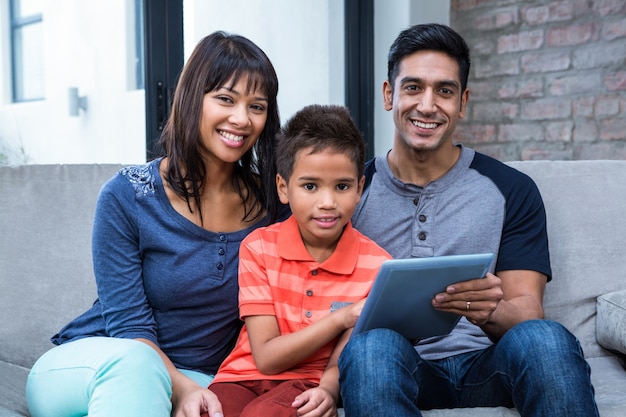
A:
[188,398]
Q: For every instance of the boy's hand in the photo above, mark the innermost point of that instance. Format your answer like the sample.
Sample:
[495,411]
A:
[315,402]
[351,313]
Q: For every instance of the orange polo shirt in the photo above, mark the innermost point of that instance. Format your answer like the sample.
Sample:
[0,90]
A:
[278,277]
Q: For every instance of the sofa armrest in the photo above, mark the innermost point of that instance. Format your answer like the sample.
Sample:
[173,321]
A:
[611,321]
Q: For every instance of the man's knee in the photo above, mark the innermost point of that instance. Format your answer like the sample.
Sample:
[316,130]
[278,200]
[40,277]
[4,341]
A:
[374,345]
[541,334]
[543,345]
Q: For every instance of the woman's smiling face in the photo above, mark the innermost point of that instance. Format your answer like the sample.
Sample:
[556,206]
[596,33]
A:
[232,120]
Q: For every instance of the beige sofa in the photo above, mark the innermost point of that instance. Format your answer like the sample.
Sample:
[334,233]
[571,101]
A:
[46,275]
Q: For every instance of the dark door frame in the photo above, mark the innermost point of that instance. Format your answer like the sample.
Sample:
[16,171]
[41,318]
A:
[163,26]
[359,76]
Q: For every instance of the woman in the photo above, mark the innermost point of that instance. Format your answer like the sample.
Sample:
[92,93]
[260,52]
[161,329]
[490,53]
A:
[165,249]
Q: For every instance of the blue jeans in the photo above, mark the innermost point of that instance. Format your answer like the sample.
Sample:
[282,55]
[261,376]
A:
[537,367]
[102,377]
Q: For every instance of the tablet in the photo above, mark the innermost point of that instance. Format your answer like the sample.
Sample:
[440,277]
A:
[401,296]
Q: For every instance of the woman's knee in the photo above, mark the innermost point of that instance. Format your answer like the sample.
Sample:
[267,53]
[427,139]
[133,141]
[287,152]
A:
[66,379]
[135,361]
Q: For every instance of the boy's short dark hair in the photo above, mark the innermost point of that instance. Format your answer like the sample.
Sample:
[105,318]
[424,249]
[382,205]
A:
[319,127]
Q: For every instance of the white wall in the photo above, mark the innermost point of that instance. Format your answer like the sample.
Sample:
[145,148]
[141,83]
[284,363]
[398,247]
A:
[303,39]
[86,45]
[391,17]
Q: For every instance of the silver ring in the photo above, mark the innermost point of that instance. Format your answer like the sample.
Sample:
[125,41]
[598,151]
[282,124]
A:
[467,306]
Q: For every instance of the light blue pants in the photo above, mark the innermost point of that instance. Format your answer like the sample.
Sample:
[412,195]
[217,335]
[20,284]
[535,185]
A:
[102,377]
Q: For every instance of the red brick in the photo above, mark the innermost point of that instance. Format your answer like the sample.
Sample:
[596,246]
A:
[483,46]
[530,154]
[474,133]
[583,106]
[487,68]
[559,131]
[506,17]
[495,111]
[614,30]
[608,7]
[600,151]
[536,15]
[520,132]
[546,61]
[482,90]
[466,4]
[522,41]
[582,9]
[576,84]
[615,81]
[501,152]
[529,88]
[576,34]
[553,12]
[607,106]
[496,19]
[613,129]
[595,55]
[546,109]
[569,85]
[585,131]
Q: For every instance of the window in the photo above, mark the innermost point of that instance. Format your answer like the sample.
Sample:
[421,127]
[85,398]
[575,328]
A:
[139,45]
[27,54]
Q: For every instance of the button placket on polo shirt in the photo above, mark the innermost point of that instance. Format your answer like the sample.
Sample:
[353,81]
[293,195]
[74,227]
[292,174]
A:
[422,225]
[309,294]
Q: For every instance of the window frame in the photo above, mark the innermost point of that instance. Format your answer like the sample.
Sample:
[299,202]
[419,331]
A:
[18,23]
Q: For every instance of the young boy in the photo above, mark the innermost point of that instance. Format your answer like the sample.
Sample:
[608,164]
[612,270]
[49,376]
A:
[296,276]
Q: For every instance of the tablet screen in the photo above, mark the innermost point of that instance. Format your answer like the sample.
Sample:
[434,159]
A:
[401,296]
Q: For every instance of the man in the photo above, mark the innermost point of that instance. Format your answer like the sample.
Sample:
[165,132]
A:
[430,197]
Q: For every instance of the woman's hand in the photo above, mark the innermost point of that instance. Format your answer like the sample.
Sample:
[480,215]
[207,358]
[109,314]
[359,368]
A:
[200,402]
[188,398]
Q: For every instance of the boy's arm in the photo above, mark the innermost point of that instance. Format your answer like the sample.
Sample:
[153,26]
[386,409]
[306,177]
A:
[330,377]
[274,353]
[325,397]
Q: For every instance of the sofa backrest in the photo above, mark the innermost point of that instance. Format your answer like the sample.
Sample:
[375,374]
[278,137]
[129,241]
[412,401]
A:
[586,210]
[46,276]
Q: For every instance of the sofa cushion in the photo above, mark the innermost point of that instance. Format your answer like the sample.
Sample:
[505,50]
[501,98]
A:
[611,321]
[585,205]
[12,386]
[45,242]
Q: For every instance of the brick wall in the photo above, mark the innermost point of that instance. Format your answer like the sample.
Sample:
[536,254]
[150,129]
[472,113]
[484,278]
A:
[548,78]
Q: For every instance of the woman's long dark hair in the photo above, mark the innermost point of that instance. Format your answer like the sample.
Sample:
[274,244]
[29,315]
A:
[218,59]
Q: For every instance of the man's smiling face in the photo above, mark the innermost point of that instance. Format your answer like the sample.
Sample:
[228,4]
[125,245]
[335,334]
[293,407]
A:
[426,100]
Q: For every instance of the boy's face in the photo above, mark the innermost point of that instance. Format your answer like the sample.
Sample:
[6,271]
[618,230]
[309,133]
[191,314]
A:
[323,192]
